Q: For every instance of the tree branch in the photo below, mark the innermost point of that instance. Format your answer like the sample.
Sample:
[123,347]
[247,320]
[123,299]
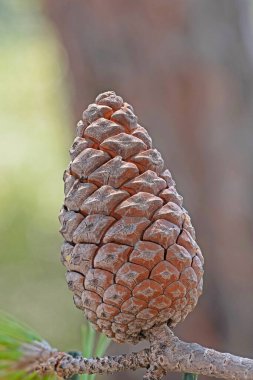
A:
[166,354]
[174,355]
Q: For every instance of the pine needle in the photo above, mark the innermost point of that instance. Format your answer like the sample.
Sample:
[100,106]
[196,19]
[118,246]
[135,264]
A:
[19,345]
[190,376]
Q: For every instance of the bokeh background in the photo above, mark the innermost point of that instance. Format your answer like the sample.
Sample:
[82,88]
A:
[187,67]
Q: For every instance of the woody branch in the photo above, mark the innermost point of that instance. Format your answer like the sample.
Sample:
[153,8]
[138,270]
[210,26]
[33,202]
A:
[166,354]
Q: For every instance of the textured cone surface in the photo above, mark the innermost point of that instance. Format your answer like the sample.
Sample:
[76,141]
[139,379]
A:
[130,251]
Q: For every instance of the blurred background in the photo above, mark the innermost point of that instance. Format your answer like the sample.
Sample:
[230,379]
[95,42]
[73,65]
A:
[187,67]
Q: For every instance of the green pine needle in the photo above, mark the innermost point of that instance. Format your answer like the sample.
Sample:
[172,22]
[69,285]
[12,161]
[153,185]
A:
[190,376]
[16,342]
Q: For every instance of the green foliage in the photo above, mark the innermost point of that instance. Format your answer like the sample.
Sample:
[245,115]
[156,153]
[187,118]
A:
[190,376]
[16,340]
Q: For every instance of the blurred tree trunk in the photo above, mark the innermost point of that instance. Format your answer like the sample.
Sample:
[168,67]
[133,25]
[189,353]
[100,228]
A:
[186,66]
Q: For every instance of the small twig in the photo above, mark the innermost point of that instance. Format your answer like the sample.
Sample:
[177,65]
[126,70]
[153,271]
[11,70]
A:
[166,354]
[74,354]
[64,365]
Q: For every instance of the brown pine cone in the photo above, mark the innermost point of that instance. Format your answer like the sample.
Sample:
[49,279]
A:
[130,251]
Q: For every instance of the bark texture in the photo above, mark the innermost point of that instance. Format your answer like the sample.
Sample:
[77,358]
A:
[167,354]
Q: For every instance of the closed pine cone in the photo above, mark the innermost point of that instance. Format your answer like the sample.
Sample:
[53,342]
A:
[130,251]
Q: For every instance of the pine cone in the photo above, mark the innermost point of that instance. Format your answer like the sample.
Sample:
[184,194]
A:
[130,251]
